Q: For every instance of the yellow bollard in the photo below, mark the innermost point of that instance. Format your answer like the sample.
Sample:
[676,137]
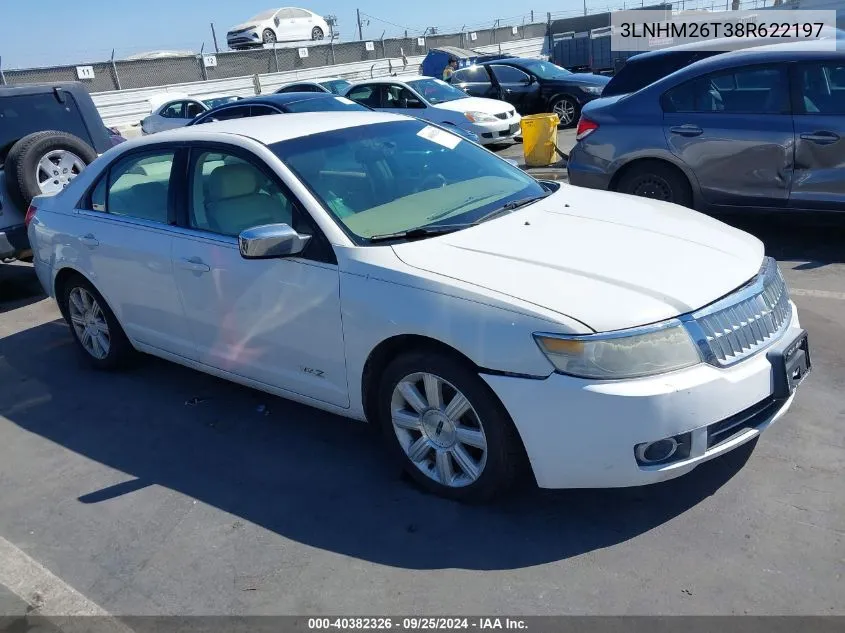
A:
[539,135]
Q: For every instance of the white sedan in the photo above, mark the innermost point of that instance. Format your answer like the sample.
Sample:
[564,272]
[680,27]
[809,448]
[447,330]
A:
[493,121]
[387,270]
[169,111]
[288,24]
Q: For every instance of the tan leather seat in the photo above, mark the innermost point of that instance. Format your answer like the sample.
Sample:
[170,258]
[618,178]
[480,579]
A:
[235,201]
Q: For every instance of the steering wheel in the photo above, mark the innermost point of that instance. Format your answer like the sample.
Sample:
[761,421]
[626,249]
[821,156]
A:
[433,181]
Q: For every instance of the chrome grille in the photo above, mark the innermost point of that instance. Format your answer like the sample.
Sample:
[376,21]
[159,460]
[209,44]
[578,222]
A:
[746,320]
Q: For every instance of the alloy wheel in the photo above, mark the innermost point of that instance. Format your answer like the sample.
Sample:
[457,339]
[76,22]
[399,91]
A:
[89,323]
[439,429]
[565,110]
[56,169]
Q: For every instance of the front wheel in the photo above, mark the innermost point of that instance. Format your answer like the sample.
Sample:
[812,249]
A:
[268,36]
[316,33]
[447,428]
[566,110]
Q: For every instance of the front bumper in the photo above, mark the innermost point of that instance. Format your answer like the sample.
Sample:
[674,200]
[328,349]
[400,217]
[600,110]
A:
[243,38]
[582,433]
[501,130]
[14,242]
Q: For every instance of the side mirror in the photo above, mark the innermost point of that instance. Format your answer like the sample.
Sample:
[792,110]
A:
[271,241]
[415,103]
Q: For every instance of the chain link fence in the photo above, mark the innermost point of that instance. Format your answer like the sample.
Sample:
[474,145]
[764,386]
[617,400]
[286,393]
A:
[150,73]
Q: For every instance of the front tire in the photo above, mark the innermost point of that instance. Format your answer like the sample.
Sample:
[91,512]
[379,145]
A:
[447,428]
[268,36]
[95,328]
[567,111]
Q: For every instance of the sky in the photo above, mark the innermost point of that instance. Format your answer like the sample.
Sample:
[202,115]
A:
[53,32]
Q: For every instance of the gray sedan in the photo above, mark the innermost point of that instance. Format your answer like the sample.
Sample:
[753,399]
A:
[760,128]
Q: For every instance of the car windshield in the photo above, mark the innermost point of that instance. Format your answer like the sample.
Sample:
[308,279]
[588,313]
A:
[544,70]
[336,86]
[435,91]
[397,176]
[264,15]
[325,104]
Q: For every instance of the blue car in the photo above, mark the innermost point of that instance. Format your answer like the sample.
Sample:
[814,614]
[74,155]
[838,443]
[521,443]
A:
[761,128]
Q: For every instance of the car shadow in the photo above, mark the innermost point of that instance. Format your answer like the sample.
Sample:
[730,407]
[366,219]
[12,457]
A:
[813,239]
[309,476]
[19,286]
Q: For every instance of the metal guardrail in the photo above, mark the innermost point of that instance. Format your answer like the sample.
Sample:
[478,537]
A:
[125,108]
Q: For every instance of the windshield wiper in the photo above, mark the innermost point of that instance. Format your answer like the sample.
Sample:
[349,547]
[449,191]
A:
[510,206]
[419,232]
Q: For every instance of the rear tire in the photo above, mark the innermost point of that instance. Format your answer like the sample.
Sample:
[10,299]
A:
[64,156]
[95,329]
[657,181]
[463,436]
[317,33]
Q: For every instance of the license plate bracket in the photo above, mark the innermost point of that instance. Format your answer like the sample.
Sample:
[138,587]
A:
[790,365]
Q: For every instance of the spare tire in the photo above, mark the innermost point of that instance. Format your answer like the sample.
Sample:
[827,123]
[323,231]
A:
[45,162]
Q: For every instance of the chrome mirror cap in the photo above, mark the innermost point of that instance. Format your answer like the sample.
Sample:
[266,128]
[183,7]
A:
[270,241]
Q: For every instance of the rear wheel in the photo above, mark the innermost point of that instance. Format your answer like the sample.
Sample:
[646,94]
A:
[658,181]
[268,36]
[447,428]
[316,33]
[566,110]
[94,326]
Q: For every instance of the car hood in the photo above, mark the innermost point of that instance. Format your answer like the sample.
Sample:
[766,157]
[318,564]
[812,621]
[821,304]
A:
[608,260]
[246,25]
[476,104]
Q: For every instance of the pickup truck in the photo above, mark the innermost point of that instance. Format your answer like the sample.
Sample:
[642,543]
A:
[49,133]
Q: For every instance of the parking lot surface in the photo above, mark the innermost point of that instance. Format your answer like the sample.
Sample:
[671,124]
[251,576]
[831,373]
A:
[161,490]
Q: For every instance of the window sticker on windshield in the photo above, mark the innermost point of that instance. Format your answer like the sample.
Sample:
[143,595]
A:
[441,137]
[345,100]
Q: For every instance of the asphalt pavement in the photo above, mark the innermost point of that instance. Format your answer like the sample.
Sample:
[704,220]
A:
[161,490]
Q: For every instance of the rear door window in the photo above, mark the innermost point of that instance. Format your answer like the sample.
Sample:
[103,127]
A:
[509,74]
[25,114]
[749,90]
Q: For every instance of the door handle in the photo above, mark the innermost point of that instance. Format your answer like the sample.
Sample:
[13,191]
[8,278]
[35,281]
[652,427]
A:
[89,240]
[194,264]
[821,138]
[686,130]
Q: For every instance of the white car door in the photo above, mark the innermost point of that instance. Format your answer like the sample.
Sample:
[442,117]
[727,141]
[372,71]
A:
[304,22]
[123,243]
[275,321]
[286,27]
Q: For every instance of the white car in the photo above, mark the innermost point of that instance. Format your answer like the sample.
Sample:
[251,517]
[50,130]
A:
[169,111]
[288,24]
[493,121]
[386,270]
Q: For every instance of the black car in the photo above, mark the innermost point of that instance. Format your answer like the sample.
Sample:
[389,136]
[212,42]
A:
[532,86]
[279,104]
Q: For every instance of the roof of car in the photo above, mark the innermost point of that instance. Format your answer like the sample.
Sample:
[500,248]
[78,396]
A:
[393,80]
[281,98]
[274,129]
[786,52]
[31,88]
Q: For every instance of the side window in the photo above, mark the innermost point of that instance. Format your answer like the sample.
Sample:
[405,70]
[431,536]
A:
[823,88]
[228,113]
[262,110]
[175,110]
[284,14]
[750,90]
[509,74]
[368,95]
[230,195]
[299,13]
[137,186]
[193,109]
[472,74]
[400,97]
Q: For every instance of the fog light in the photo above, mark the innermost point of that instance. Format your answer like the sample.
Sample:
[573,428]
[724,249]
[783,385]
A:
[667,450]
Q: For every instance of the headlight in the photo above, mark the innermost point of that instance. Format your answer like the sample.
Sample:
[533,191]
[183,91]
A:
[623,354]
[593,90]
[480,117]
